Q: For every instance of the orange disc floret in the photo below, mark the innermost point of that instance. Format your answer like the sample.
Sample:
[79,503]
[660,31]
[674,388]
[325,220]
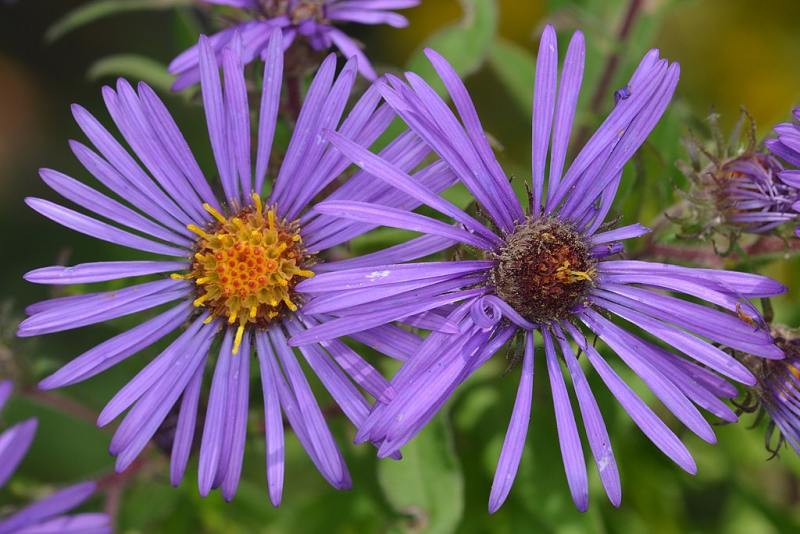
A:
[246,266]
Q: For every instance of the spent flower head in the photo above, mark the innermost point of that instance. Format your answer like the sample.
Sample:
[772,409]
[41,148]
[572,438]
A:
[736,187]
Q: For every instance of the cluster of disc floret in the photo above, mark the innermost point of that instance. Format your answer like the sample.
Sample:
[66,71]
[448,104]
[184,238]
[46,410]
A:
[544,270]
[245,267]
[296,11]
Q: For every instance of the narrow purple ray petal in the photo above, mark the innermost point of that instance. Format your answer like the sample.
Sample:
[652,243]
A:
[72,312]
[88,273]
[593,423]
[544,98]
[474,128]
[514,442]
[620,234]
[131,192]
[358,323]
[569,441]
[114,350]
[148,414]
[238,114]
[273,419]
[655,429]
[411,250]
[387,274]
[214,107]
[100,230]
[214,428]
[174,143]
[184,434]
[318,432]
[270,103]
[568,91]
[88,198]
[395,218]
[125,166]
[236,428]
[633,352]
[147,377]
[395,177]
[14,444]
[703,352]
[49,507]
[305,130]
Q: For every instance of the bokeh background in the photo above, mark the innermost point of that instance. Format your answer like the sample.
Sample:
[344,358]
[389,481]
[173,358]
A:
[733,53]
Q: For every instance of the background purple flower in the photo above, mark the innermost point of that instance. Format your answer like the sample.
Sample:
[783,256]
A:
[787,147]
[49,514]
[545,273]
[170,210]
[752,194]
[312,20]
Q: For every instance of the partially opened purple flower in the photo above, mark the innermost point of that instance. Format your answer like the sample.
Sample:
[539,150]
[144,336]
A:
[786,146]
[50,513]
[234,260]
[751,194]
[547,273]
[313,20]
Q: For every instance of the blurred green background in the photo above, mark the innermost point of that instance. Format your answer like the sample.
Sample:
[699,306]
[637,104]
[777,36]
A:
[733,53]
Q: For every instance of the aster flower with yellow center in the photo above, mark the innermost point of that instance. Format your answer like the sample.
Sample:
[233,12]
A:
[234,259]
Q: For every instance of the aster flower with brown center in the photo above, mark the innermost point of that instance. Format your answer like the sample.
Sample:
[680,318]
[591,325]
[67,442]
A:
[548,273]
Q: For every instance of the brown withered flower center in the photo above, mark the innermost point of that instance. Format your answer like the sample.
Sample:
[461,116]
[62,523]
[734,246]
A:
[544,270]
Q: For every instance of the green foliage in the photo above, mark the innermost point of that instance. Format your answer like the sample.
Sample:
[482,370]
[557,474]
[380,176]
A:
[98,9]
[132,67]
[514,66]
[464,44]
[426,487]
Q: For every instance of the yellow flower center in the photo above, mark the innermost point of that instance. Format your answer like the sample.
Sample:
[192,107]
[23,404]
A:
[246,266]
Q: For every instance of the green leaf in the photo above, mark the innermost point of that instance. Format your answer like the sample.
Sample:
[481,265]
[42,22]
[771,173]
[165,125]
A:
[464,44]
[515,66]
[427,485]
[135,67]
[103,8]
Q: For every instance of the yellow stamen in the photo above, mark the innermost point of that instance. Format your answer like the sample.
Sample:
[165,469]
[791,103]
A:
[214,213]
[237,342]
[257,201]
[197,230]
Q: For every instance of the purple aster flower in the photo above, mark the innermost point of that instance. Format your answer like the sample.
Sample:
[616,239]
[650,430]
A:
[750,195]
[777,393]
[234,260]
[787,147]
[49,514]
[548,273]
[313,20]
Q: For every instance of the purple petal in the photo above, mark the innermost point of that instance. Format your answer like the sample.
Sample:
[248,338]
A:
[184,434]
[89,273]
[114,350]
[544,98]
[100,230]
[514,442]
